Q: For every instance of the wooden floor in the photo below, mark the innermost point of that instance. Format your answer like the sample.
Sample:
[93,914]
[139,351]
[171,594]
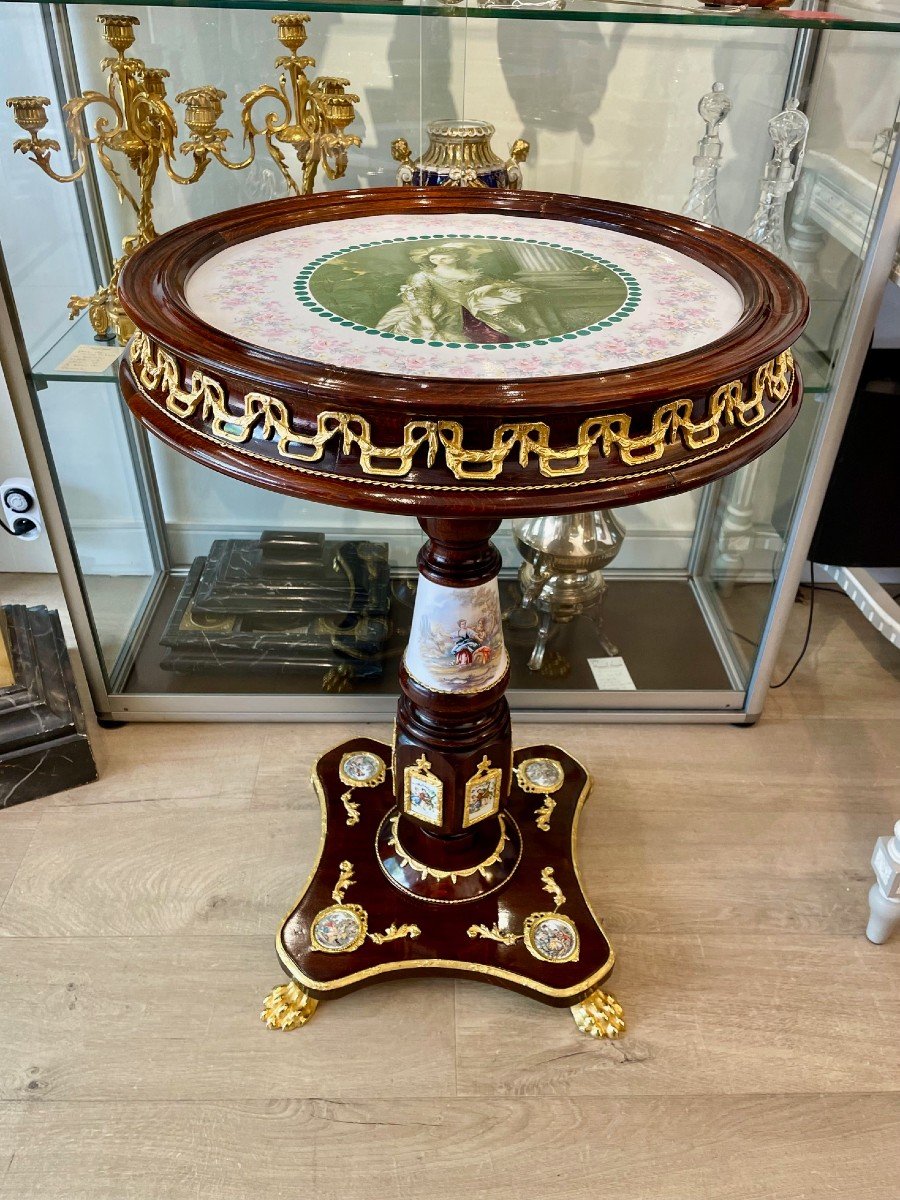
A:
[730,865]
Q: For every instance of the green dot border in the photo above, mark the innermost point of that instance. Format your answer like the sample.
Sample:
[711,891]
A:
[625,309]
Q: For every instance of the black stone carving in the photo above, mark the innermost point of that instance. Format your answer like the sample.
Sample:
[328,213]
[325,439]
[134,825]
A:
[43,744]
[288,602]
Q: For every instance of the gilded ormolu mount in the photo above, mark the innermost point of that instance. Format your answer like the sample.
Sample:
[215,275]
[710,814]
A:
[309,117]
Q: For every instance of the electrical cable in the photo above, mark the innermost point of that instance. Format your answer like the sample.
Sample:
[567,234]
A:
[17,530]
[809,624]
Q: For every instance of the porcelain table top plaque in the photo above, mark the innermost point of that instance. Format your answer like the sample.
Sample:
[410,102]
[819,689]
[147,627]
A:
[463,356]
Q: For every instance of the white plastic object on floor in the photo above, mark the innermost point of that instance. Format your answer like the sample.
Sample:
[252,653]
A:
[884,896]
[879,609]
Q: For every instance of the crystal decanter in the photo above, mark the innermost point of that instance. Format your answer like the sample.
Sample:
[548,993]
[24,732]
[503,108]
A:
[788,130]
[702,202]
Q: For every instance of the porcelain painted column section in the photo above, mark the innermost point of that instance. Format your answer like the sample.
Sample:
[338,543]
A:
[453,749]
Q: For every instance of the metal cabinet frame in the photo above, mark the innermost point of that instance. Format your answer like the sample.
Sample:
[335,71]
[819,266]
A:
[736,706]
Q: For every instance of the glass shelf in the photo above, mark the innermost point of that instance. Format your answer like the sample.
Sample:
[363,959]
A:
[838,16]
[79,333]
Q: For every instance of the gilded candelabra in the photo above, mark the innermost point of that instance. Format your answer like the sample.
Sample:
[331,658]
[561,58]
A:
[316,114]
[140,124]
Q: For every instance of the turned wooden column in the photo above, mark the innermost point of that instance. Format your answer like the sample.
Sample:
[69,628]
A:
[453,749]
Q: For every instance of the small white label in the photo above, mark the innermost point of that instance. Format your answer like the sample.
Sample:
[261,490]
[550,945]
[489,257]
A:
[90,358]
[611,675]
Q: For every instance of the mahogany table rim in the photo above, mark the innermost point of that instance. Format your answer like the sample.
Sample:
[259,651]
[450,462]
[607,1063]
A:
[152,291]
[153,282]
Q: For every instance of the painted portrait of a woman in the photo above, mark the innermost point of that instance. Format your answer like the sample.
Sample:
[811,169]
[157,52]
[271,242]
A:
[451,299]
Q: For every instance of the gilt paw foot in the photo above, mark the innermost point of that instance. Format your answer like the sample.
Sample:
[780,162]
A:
[599,1015]
[288,1007]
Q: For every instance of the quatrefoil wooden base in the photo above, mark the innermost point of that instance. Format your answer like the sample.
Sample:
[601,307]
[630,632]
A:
[535,933]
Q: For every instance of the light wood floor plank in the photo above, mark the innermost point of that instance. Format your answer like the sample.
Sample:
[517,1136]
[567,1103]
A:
[17,829]
[688,872]
[706,1015]
[748,1148]
[177,1018]
[130,869]
[101,870]
[177,765]
[289,754]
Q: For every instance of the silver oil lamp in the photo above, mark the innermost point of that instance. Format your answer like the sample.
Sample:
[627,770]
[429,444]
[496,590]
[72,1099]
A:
[562,573]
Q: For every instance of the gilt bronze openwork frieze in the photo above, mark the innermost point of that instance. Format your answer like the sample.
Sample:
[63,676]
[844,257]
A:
[263,423]
[445,347]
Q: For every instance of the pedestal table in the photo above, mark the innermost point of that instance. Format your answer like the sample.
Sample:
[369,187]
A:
[463,356]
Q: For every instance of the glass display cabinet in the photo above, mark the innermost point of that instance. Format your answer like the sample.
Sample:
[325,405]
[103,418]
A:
[195,596]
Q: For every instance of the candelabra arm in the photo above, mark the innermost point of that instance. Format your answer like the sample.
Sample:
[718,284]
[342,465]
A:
[103,139]
[123,192]
[271,124]
[271,128]
[39,149]
[218,153]
[201,162]
[308,178]
[335,147]
[201,156]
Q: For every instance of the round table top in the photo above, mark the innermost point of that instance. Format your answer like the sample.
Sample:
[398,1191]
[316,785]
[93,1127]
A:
[451,352]
[464,296]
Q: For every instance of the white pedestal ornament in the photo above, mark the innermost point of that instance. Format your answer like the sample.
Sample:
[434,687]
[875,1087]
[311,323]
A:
[884,895]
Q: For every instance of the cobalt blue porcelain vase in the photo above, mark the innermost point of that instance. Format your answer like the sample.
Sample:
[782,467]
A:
[459,154]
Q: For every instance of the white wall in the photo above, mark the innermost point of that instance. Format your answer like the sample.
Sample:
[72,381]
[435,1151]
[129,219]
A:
[41,242]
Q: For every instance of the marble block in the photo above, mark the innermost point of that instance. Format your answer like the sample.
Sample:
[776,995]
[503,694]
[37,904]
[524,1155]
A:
[287,602]
[43,744]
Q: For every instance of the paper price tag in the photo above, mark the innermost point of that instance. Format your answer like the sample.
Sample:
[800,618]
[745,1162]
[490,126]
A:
[90,358]
[611,675]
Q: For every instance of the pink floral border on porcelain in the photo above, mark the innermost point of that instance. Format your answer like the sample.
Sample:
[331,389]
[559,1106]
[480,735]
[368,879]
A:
[248,292]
